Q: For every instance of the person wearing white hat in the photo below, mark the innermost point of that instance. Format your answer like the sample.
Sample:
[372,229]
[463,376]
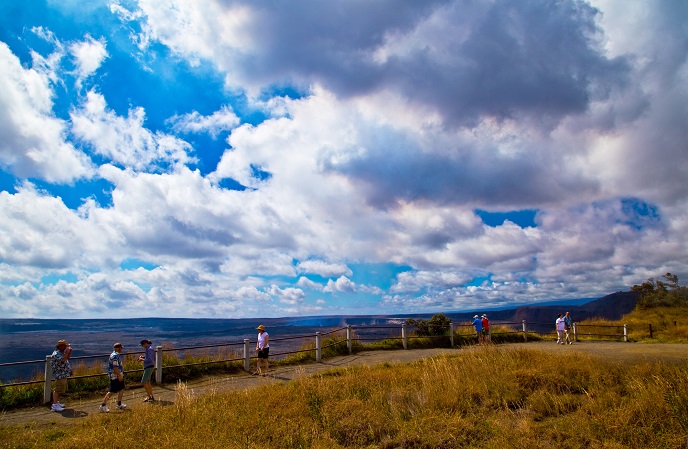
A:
[263,348]
[486,329]
[478,324]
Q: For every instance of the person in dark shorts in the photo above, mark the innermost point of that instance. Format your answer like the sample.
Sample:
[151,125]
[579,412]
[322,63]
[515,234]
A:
[263,348]
[116,374]
[148,360]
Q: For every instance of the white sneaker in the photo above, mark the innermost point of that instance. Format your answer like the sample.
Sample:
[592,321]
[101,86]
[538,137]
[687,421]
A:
[57,407]
[60,404]
[104,409]
[121,406]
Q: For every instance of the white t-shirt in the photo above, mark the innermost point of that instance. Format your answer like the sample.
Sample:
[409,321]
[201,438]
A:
[561,324]
[261,340]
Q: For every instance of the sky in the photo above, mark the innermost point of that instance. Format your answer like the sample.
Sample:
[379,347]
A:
[236,159]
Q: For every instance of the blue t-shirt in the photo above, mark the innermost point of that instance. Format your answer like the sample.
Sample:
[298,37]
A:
[149,358]
[115,360]
[478,323]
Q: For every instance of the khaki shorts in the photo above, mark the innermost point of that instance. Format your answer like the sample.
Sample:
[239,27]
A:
[60,385]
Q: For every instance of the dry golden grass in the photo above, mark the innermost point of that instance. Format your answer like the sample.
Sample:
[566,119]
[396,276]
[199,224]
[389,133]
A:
[487,398]
[669,325]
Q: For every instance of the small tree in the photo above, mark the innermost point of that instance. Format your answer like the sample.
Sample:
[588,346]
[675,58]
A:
[658,293]
[437,325]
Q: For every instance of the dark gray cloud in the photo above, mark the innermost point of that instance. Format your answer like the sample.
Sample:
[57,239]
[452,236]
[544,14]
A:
[507,59]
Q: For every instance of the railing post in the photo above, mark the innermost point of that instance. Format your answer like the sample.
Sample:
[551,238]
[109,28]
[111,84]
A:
[575,333]
[48,387]
[625,333]
[403,335]
[451,334]
[525,336]
[318,347]
[158,365]
[247,358]
[348,339]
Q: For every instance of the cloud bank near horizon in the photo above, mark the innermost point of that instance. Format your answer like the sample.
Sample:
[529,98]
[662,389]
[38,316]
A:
[228,159]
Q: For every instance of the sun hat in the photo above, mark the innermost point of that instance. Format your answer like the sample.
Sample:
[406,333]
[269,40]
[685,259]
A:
[61,343]
[476,316]
[145,341]
[484,316]
[261,328]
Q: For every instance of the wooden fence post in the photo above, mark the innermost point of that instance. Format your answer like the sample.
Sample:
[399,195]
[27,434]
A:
[451,334]
[403,336]
[575,333]
[348,339]
[625,333]
[48,386]
[247,358]
[158,365]
[318,347]
[650,329]
[525,336]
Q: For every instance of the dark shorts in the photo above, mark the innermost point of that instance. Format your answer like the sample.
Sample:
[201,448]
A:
[116,385]
[263,353]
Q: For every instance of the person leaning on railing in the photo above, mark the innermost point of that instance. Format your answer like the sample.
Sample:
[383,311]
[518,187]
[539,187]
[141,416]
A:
[61,369]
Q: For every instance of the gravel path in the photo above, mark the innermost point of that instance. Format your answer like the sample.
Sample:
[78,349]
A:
[626,353]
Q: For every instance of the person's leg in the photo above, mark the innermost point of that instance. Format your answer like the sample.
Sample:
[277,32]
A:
[103,406]
[146,382]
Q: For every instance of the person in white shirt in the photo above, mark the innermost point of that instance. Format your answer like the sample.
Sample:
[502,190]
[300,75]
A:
[263,348]
[561,329]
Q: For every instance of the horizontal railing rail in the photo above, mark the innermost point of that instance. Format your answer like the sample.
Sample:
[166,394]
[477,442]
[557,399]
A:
[518,328]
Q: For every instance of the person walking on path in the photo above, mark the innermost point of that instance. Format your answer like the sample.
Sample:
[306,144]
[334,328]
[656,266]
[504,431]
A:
[148,360]
[116,373]
[561,327]
[568,326]
[59,363]
[478,324]
[486,329]
[263,348]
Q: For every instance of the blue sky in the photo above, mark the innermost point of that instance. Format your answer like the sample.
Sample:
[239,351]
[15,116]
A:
[265,159]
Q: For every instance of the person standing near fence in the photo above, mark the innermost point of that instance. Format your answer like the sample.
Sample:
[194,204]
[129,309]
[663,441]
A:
[263,348]
[486,329]
[148,360]
[59,363]
[116,374]
[478,324]
[561,327]
[568,327]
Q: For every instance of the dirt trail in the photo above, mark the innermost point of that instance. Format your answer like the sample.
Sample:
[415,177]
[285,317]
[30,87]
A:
[166,393]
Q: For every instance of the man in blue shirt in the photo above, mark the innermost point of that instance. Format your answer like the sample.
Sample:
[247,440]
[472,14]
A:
[478,323]
[116,374]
